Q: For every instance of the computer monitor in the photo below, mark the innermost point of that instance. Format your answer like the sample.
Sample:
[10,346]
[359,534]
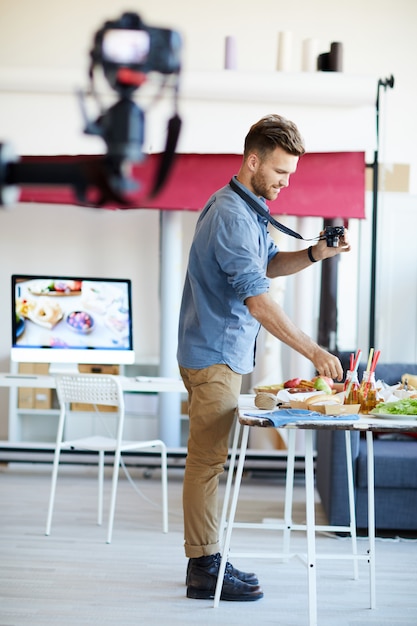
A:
[65,321]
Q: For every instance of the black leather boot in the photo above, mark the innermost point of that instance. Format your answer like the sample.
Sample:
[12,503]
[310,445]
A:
[202,578]
[245,577]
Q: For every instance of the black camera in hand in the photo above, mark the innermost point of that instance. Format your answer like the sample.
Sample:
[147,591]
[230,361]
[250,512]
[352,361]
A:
[333,234]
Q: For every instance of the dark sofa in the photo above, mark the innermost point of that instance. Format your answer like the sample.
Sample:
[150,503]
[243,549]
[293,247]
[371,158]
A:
[395,471]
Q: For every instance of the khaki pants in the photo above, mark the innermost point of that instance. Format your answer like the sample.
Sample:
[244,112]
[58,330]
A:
[213,394]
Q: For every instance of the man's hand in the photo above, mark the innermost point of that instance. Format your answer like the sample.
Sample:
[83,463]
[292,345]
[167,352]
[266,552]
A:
[322,251]
[327,364]
[272,317]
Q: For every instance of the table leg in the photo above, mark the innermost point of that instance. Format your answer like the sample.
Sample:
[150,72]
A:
[229,480]
[232,513]
[311,529]
[289,490]
[352,513]
[371,514]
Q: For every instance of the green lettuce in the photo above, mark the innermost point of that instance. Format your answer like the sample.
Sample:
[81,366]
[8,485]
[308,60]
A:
[408,406]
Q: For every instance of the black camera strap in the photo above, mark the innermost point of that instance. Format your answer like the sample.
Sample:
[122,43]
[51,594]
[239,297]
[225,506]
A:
[257,206]
[167,159]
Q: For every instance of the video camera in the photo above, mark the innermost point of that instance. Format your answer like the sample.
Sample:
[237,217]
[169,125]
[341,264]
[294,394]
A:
[127,51]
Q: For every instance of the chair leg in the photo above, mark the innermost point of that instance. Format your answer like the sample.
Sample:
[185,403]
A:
[53,489]
[115,479]
[100,487]
[164,488]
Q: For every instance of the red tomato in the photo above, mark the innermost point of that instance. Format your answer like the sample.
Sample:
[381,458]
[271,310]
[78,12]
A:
[293,382]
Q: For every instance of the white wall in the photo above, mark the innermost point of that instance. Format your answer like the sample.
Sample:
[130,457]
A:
[37,38]
[378,37]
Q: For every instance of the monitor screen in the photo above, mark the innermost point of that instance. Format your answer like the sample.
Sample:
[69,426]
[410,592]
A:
[71,320]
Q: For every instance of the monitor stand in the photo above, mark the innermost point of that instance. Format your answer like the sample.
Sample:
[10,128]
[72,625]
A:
[58,369]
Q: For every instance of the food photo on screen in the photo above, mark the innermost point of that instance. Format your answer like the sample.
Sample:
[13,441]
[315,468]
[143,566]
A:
[72,313]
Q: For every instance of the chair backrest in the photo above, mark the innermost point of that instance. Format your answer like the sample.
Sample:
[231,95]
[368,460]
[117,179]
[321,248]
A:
[97,389]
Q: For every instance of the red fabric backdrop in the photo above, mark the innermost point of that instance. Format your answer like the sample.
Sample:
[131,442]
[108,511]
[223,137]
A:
[325,185]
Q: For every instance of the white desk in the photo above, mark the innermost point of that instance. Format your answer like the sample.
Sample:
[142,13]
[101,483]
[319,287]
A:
[366,424]
[140,384]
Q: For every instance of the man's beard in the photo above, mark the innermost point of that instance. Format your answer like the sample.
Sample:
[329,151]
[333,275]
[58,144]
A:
[260,187]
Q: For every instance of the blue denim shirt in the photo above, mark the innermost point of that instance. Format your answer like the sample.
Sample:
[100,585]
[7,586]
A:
[227,263]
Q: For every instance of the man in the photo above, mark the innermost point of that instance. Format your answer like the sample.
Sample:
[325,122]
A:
[225,301]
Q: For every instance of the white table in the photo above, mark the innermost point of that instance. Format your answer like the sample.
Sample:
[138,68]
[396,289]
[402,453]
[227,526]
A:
[365,423]
[138,384]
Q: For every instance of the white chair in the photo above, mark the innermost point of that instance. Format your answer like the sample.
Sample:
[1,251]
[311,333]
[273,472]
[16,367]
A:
[100,389]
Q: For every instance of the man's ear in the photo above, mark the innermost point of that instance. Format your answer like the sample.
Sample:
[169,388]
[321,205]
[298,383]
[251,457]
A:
[252,161]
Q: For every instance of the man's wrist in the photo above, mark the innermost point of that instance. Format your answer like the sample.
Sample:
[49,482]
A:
[310,254]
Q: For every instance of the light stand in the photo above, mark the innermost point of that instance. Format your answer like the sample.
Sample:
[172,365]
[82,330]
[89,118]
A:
[388,82]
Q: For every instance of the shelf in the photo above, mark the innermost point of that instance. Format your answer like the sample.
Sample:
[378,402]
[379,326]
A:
[335,111]
[34,412]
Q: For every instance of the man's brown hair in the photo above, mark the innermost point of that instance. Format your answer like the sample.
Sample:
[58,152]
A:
[273,131]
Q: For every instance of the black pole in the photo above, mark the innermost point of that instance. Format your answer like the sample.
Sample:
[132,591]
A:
[374,235]
[327,330]
[388,82]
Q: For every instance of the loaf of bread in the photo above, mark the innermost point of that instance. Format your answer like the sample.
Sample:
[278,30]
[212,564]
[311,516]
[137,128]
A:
[325,397]
[267,401]
[409,379]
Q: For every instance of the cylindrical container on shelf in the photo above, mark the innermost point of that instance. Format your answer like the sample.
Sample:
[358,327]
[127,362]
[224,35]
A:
[309,55]
[284,62]
[230,53]
[336,56]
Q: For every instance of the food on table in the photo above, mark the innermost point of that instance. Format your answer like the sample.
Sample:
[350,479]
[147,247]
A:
[407,406]
[299,385]
[409,381]
[327,379]
[301,389]
[324,398]
[292,383]
[317,391]
[307,386]
[269,388]
[264,400]
[321,384]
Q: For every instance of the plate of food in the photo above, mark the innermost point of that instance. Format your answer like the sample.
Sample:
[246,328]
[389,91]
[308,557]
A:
[55,287]
[405,409]
[45,313]
[80,322]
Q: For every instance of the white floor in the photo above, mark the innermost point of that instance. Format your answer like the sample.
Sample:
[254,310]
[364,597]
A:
[74,578]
